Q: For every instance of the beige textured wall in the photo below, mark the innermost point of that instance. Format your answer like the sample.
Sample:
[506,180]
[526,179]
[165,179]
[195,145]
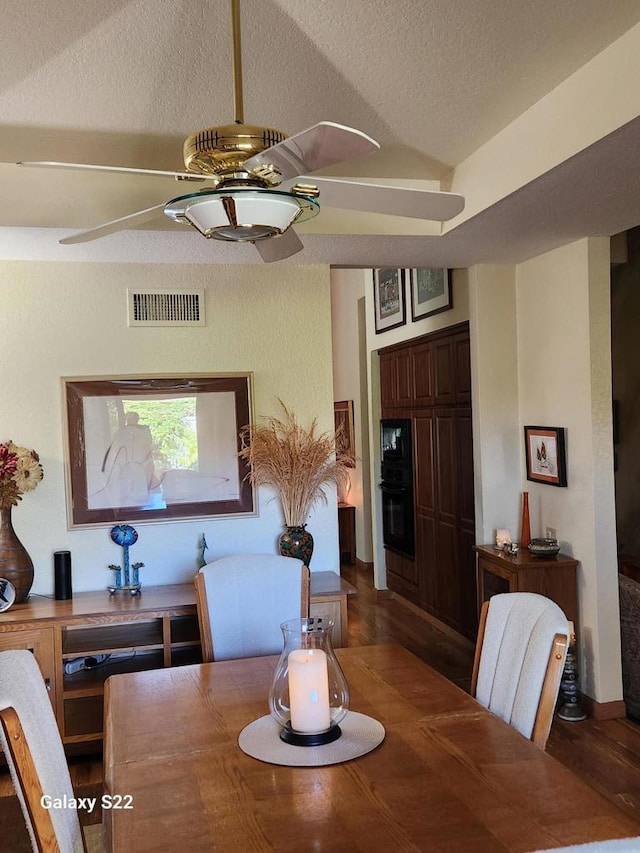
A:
[564,366]
[494,376]
[70,319]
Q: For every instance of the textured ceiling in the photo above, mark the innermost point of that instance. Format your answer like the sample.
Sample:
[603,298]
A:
[123,83]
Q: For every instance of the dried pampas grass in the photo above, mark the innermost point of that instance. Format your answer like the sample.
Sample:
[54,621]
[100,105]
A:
[294,461]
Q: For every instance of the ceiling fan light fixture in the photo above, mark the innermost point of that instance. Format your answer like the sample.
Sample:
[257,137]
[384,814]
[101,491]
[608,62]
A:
[241,215]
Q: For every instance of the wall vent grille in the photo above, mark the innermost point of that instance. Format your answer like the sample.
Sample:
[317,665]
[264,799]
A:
[166,308]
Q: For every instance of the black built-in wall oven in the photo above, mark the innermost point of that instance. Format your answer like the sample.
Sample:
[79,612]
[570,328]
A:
[397,486]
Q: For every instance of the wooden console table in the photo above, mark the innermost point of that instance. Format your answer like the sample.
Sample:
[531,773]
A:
[554,577]
[156,629]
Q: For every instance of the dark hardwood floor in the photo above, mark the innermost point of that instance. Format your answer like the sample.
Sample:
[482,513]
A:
[605,754]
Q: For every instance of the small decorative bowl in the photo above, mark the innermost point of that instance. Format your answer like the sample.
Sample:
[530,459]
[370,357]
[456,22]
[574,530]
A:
[544,547]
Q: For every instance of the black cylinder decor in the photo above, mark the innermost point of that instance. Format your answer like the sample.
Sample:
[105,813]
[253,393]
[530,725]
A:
[62,575]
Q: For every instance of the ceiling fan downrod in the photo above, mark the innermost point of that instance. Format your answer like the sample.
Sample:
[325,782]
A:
[221,151]
[238,104]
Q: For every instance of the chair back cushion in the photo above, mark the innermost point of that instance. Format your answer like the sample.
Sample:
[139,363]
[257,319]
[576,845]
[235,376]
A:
[519,634]
[22,688]
[248,597]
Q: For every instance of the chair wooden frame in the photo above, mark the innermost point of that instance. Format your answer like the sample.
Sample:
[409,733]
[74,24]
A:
[549,692]
[29,782]
[206,638]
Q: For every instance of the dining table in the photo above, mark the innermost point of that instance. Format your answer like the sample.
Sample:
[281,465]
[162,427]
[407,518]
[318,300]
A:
[448,775]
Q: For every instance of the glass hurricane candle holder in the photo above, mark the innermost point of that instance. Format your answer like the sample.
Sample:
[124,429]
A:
[309,694]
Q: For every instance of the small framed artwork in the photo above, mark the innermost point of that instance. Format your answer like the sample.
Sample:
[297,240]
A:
[430,291]
[345,441]
[388,299]
[545,455]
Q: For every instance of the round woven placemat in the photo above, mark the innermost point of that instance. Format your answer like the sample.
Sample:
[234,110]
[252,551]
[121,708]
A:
[360,734]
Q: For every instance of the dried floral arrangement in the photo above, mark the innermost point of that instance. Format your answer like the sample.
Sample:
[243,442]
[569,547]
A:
[295,461]
[20,471]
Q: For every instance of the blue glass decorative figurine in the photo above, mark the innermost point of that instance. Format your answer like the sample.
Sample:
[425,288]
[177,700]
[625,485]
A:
[126,579]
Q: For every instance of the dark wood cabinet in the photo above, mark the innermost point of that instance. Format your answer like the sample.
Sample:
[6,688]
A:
[430,381]
[554,577]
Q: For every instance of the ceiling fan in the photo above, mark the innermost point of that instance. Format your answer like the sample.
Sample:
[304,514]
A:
[258,183]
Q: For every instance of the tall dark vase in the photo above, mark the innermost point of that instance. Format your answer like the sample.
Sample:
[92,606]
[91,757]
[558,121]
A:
[297,542]
[15,562]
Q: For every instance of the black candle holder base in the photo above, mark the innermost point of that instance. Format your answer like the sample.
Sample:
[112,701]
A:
[288,735]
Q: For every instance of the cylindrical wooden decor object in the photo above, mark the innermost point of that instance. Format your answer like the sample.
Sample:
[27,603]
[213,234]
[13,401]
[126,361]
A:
[525,526]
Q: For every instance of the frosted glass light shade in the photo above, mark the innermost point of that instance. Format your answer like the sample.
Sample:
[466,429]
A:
[241,215]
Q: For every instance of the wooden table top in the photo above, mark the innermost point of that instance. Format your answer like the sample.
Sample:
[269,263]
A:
[448,776]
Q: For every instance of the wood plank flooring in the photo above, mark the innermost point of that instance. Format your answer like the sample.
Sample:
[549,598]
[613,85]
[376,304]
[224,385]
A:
[605,754]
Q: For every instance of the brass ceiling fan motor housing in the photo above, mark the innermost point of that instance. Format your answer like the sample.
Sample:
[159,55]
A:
[222,151]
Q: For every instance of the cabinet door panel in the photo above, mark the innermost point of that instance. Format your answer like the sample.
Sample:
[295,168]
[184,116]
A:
[404,378]
[403,567]
[426,561]
[468,583]
[462,361]
[446,465]
[423,375]
[387,379]
[464,467]
[425,474]
[443,372]
[447,574]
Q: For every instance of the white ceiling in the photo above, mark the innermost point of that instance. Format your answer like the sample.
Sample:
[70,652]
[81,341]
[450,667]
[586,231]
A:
[123,82]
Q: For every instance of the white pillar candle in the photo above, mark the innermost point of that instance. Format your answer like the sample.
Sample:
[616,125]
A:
[309,691]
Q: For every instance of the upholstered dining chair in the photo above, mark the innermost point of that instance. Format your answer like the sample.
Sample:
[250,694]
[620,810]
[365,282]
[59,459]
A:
[242,601]
[33,749]
[520,654]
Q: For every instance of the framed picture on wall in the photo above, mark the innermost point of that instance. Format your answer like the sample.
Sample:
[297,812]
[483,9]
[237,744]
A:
[388,299]
[344,427]
[545,455]
[430,291]
[154,448]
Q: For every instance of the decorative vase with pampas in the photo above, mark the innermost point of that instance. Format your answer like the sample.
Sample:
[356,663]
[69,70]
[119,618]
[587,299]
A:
[297,462]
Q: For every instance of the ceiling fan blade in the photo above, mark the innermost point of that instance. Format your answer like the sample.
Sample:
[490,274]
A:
[50,164]
[279,248]
[385,198]
[113,226]
[322,145]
